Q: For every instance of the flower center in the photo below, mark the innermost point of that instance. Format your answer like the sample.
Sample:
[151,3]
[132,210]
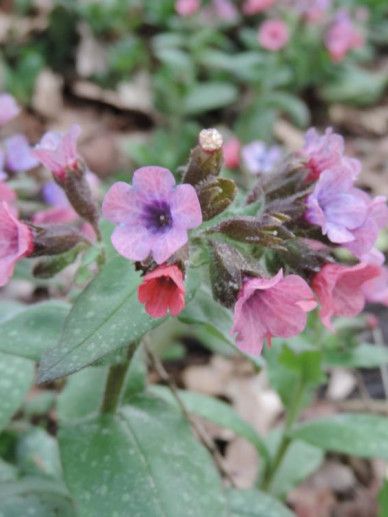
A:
[157,217]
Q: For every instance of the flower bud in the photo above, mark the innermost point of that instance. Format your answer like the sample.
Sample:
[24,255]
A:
[49,267]
[206,158]
[54,239]
[215,195]
[228,268]
[250,229]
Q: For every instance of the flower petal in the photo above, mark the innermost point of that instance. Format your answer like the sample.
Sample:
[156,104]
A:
[185,207]
[131,242]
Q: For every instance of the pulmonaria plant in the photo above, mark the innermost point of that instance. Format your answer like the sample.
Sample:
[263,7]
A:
[273,35]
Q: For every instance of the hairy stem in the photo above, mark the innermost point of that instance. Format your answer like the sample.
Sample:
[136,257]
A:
[285,441]
[115,382]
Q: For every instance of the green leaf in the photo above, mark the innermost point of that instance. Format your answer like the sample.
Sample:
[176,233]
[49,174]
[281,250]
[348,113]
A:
[8,472]
[253,503]
[292,106]
[218,412]
[305,363]
[82,394]
[105,317]
[33,329]
[361,356]
[35,496]
[355,85]
[143,461]
[209,96]
[383,499]
[356,434]
[300,460]
[37,454]
[16,378]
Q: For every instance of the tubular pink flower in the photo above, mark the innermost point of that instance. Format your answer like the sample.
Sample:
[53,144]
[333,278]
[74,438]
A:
[342,37]
[58,151]
[326,151]
[252,7]
[19,154]
[153,215]
[225,10]
[231,151]
[340,289]
[187,7]
[273,35]
[269,307]
[163,291]
[336,206]
[15,242]
[9,109]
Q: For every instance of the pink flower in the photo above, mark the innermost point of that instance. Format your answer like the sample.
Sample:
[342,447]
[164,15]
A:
[339,289]
[225,10]
[231,150]
[314,11]
[163,291]
[326,151]
[268,307]
[336,206]
[20,156]
[8,108]
[187,7]
[15,242]
[58,152]
[8,196]
[273,35]
[342,37]
[366,234]
[153,215]
[252,7]
[376,290]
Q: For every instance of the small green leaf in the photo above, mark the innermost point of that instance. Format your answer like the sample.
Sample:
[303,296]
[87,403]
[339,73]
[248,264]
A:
[356,434]
[37,454]
[361,356]
[143,461]
[209,96]
[16,378]
[218,412]
[33,329]
[253,503]
[383,499]
[105,317]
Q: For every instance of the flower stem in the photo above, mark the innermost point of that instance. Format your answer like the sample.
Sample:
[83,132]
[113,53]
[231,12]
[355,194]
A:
[115,382]
[285,441]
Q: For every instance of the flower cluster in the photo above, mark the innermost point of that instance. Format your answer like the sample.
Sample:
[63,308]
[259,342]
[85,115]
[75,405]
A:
[339,33]
[271,253]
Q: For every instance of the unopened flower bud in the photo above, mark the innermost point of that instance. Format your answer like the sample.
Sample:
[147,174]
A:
[54,239]
[210,140]
[215,195]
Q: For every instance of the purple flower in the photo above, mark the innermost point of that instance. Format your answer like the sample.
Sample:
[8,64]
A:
[365,236]
[259,158]
[20,156]
[54,195]
[336,206]
[326,151]
[8,108]
[153,215]
[58,151]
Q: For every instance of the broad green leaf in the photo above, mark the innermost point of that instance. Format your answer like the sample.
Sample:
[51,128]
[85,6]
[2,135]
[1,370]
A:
[143,461]
[208,96]
[292,106]
[105,317]
[300,460]
[361,356]
[356,434]
[37,454]
[82,394]
[8,472]
[218,412]
[305,363]
[254,503]
[33,329]
[16,378]
[9,308]
[35,496]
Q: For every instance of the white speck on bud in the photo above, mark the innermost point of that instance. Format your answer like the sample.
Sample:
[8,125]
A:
[210,140]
